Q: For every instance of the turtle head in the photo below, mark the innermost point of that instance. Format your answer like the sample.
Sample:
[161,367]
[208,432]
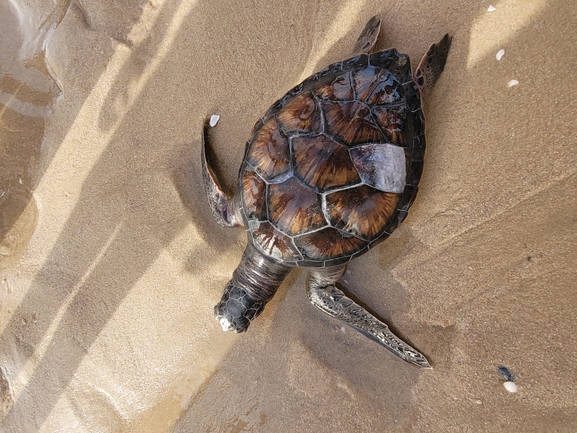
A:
[236,309]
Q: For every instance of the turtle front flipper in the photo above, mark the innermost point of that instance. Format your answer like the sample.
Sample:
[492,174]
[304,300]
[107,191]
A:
[223,207]
[368,37]
[432,64]
[323,294]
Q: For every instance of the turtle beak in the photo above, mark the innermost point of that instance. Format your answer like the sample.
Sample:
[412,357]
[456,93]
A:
[225,324]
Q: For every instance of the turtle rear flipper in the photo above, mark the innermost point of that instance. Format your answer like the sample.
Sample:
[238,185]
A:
[368,37]
[432,64]
[324,295]
[222,206]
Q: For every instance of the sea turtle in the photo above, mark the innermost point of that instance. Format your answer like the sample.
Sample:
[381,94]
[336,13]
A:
[330,171]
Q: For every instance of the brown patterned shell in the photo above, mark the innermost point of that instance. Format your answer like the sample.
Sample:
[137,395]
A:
[332,168]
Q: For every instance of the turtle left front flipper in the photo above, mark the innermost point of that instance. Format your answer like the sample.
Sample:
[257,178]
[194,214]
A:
[323,294]
[368,37]
[221,204]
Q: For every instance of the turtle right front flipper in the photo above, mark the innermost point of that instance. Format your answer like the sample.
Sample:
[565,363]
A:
[324,295]
[221,204]
[432,64]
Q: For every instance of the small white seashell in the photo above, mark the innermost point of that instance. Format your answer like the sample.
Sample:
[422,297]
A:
[510,386]
[213,120]
[491,8]
[343,329]
[512,83]
[500,54]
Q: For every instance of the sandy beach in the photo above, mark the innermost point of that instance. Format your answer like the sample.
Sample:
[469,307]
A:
[111,262]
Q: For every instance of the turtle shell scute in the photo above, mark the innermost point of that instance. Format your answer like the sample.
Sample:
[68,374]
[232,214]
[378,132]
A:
[392,121]
[412,97]
[382,166]
[386,91]
[293,92]
[329,70]
[300,114]
[361,211]
[418,147]
[383,59]
[274,243]
[257,125]
[328,243]
[337,89]
[269,152]
[405,202]
[358,62]
[397,64]
[322,163]
[414,171]
[294,208]
[417,122]
[277,105]
[254,195]
[351,123]
[377,86]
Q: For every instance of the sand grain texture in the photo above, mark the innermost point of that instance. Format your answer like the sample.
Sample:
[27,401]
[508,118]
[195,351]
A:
[110,262]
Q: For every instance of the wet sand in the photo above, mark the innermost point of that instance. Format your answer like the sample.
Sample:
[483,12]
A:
[110,261]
